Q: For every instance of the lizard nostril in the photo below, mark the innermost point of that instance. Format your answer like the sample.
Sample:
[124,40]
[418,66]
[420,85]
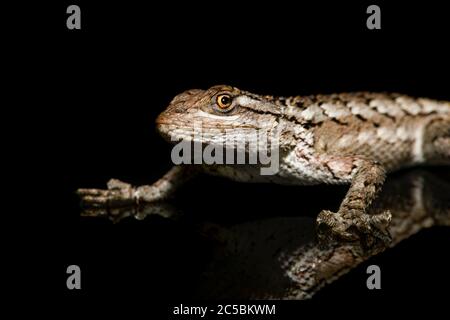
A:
[161,119]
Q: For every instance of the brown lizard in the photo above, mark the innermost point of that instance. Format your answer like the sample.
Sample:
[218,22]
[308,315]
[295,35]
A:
[348,138]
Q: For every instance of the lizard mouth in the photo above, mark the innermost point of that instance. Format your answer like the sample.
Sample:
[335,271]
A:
[163,122]
[162,127]
[167,129]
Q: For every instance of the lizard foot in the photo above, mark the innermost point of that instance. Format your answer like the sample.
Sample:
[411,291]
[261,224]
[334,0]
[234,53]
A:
[118,194]
[139,212]
[370,230]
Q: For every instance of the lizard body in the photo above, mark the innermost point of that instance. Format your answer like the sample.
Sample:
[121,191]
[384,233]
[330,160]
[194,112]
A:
[349,138]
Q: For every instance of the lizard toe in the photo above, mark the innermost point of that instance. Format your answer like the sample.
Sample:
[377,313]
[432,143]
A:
[331,226]
[117,184]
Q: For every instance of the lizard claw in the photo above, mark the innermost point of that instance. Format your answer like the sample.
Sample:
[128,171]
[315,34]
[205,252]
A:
[370,230]
[330,226]
[118,194]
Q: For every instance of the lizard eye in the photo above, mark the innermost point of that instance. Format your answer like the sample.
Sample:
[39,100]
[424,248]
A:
[224,101]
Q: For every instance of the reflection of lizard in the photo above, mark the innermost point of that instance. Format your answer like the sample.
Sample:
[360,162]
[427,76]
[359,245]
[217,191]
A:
[351,138]
[279,258]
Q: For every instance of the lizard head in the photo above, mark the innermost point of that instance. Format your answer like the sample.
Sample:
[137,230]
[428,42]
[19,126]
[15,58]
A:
[217,115]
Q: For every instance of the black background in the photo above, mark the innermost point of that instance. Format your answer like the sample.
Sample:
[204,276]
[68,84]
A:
[96,92]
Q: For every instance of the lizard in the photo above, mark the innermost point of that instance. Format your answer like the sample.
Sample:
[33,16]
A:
[341,138]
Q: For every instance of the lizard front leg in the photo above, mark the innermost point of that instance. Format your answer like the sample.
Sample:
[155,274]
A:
[121,194]
[352,222]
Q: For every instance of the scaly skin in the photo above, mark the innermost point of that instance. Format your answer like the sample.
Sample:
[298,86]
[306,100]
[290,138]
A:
[349,138]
